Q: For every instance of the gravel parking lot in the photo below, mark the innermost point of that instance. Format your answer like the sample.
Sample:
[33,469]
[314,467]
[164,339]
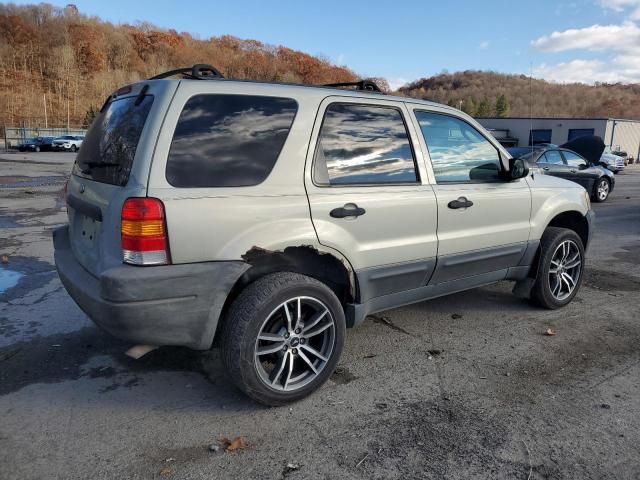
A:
[466,386]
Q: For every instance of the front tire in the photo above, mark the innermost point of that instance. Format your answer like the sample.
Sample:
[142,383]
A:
[74,149]
[283,337]
[560,268]
[602,190]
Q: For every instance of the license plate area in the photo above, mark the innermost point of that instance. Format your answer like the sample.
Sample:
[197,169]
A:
[87,232]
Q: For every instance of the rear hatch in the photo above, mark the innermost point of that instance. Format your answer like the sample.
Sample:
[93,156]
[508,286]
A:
[113,165]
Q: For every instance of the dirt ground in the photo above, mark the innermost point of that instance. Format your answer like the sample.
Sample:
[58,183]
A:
[466,386]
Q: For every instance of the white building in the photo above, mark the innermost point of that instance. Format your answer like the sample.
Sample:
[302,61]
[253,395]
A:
[617,133]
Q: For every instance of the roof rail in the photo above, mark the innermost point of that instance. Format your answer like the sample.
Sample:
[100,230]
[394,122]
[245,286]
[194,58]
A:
[199,71]
[367,85]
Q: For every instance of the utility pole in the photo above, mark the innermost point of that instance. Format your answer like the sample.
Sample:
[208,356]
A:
[44,97]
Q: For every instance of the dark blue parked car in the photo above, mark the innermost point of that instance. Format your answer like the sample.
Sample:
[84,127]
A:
[37,144]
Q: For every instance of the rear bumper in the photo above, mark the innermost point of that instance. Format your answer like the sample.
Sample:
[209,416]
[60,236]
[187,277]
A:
[160,305]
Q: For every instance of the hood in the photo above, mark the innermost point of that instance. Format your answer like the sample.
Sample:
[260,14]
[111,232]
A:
[590,147]
[609,156]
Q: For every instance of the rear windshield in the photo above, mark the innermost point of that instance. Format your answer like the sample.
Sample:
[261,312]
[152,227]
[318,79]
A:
[228,140]
[108,149]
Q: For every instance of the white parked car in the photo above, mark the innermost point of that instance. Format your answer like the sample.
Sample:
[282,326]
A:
[69,143]
[613,162]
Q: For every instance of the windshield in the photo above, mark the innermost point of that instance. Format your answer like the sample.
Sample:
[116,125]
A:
[110,144]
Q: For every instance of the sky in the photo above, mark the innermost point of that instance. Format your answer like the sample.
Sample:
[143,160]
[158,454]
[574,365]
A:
[564,41]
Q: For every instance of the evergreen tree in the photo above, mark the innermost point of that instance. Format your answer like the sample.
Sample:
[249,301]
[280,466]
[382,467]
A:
[469,106]
[484,108]
[502,106]
[88,117]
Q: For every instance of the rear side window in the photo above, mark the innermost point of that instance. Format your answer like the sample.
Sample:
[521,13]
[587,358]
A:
[110,145]
[552,156]
[228,140]
[363,144]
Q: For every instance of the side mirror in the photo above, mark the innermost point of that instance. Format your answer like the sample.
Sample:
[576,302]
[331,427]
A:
[518,168]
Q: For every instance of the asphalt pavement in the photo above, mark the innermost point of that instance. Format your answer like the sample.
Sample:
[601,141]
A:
[465,386]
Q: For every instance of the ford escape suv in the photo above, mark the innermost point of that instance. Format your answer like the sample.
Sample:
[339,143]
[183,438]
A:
[266,218]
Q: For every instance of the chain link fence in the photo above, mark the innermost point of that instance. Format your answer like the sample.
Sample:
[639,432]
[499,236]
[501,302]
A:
[14,136]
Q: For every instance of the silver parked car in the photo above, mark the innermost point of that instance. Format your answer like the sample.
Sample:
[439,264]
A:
[70,143]
[266,219]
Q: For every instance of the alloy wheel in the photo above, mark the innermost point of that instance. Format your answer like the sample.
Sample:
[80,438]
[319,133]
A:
[295,343]
[603,190]
[565,268]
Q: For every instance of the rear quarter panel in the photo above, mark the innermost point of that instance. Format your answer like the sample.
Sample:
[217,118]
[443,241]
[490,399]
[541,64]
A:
[224,223]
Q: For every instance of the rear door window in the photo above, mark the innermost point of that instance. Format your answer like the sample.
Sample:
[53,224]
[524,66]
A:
[228,140]
[363,145]
[110,145]
[552,156]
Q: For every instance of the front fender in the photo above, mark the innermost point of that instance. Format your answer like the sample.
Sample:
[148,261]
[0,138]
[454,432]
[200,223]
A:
[549,203]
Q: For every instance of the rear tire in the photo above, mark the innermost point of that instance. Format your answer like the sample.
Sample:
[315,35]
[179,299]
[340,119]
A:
[560,268]
[602,190]
[283,337]
[74,149]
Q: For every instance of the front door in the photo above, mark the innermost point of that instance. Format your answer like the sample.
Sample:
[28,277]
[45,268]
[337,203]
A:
[483,220]
[364,181]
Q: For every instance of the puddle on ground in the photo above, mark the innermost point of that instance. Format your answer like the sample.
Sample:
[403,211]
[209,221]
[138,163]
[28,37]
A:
[8,222]
[18,181]
[8,279]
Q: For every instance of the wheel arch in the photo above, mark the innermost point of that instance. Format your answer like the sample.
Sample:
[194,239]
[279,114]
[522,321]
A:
[573,220]
[331,269]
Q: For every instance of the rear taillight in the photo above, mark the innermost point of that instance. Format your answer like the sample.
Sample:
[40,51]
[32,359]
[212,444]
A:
[144,232]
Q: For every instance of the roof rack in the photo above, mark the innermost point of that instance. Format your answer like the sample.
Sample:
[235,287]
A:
[199,71]
[367,85]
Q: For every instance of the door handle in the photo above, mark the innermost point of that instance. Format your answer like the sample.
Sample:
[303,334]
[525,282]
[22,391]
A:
[461,202]
[573,170]
[545,168]
[349,210]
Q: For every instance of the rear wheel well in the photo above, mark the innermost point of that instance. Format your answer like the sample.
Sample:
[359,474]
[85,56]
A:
[304,260]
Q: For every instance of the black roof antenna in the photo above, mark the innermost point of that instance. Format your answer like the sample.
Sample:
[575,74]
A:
[199,71]
[367,85]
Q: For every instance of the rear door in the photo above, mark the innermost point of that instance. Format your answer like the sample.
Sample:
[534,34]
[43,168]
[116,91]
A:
[579,170]
[483,220]
[369,194]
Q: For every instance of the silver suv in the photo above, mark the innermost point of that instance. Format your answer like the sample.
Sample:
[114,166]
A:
[267,218]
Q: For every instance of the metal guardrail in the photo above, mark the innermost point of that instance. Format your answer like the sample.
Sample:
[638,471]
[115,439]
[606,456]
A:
[13,136]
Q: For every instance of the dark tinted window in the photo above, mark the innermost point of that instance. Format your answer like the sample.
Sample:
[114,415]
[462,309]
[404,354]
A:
[110,144]
[362,144]
[459,153]
[228,140]
[537,137]
[579,132]
[551,156]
